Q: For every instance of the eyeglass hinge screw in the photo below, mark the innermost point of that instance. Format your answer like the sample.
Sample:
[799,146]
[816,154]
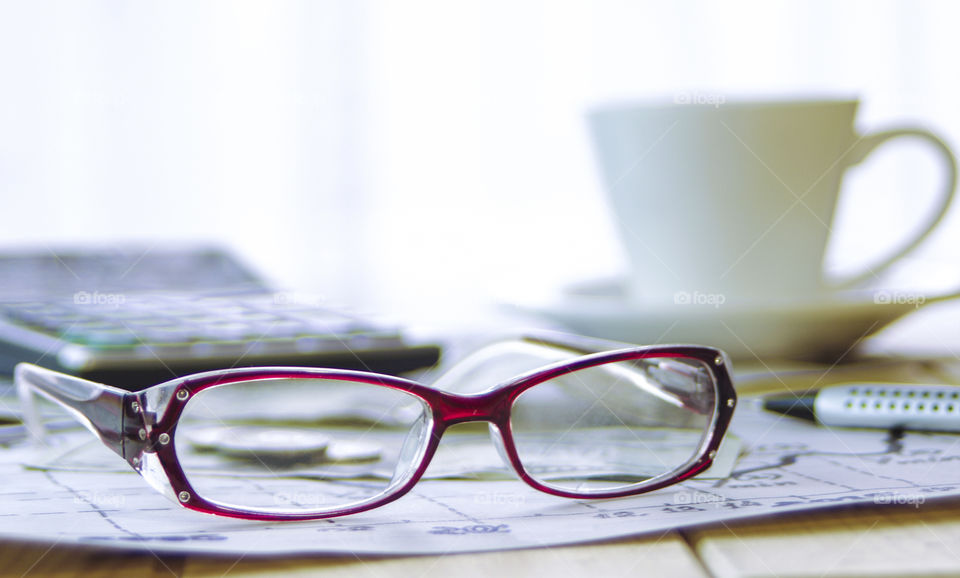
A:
[135,407]
[164,439]
[712,454]
[142,434]
[731,402]
[184,496]
[183,394]
[718,360]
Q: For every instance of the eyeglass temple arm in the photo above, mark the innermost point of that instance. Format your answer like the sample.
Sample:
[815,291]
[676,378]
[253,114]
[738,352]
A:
[587,345]
[576,343]
[97,406]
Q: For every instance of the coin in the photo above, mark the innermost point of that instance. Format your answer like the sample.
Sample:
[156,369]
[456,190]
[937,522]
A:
[252,442]
[352,451]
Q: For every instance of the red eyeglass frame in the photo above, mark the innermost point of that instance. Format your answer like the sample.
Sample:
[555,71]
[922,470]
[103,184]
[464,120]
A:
[138,424]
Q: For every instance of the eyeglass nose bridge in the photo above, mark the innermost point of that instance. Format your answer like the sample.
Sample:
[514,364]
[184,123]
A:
[492,407]
[451,408]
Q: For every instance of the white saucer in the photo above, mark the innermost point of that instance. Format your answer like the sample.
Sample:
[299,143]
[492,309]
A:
[825,329]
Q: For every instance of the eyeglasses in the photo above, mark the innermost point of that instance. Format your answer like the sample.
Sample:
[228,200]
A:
[284,443]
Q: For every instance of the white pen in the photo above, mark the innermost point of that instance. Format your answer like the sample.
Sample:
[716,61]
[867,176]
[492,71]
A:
[876,405]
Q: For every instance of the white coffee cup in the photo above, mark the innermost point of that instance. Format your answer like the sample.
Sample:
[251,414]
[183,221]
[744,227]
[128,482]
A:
[735,201]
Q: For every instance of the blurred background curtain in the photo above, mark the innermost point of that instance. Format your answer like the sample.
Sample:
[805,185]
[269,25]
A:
[425,157]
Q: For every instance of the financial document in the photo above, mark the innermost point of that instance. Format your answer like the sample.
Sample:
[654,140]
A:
[785,465]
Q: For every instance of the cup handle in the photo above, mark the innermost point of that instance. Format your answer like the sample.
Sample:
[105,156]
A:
[867,145]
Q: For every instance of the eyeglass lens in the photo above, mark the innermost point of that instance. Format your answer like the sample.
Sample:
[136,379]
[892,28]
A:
[300,445]
[615,426]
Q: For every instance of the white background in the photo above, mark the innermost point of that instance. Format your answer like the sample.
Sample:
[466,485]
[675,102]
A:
[427,158]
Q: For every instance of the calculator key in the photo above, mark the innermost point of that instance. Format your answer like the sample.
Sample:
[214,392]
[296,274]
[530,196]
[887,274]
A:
[332,326]
[78,329]
[251,316]
[150,322]
[226,332]
[108,337]
[166,334]
[283,328]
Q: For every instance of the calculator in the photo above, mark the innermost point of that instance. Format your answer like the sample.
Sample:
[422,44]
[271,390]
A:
[135,317]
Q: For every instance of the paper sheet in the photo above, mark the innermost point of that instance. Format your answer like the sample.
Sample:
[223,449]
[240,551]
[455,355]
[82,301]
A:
[789,465]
